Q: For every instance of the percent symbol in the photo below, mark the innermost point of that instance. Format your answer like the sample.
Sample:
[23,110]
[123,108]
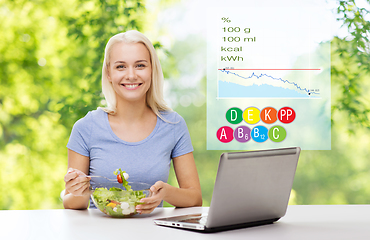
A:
[225,19]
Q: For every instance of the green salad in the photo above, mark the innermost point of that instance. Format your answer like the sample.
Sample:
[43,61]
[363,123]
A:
[116,202]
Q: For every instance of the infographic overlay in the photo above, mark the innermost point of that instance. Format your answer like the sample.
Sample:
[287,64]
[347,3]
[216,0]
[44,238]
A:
[268,79]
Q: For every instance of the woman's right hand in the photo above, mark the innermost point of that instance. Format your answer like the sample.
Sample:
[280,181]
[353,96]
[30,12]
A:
[75,182]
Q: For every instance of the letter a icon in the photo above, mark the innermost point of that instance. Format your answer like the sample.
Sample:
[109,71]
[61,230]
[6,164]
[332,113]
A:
[223,134]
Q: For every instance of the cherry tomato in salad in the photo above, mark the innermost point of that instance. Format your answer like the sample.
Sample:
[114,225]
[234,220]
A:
[119,178]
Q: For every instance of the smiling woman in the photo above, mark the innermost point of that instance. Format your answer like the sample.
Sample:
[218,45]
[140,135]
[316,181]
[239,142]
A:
[154,97]
[136,132]
[130,72]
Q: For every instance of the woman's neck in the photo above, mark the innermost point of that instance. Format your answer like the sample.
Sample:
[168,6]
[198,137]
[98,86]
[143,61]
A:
[132,112]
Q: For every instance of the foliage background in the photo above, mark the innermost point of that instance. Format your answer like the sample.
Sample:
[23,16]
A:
[50,68]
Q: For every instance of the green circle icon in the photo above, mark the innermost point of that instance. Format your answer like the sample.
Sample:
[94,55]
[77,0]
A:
[234,115]
[277,134]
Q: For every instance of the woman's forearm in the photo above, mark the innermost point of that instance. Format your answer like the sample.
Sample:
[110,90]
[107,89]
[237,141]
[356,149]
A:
[75,202]
[183,197]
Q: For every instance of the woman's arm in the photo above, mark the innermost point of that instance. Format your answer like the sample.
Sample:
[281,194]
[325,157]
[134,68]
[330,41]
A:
[188,194]
[76,189]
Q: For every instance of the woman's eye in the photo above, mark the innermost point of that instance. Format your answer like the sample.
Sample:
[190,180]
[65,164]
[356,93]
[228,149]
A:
[141,65]
[120,66]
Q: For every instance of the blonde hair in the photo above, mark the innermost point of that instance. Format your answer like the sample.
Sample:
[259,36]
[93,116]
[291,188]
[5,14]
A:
[154,96]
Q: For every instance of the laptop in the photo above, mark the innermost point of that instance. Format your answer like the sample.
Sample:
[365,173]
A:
[252,188]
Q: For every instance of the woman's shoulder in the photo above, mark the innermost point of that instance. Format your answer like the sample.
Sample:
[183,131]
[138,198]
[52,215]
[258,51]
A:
[90,118]
[171,116]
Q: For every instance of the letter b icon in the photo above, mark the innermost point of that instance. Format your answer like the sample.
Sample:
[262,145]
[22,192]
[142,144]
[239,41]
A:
[242,134]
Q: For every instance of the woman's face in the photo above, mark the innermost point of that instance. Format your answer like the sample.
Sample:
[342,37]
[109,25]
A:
[130,71]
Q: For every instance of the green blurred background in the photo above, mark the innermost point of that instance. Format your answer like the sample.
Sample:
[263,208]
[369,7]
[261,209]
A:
[51,54]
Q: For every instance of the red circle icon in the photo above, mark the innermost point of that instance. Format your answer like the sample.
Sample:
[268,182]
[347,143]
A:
[225,134]
[286,115]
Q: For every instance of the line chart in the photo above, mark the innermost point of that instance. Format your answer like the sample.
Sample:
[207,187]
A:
[269,85]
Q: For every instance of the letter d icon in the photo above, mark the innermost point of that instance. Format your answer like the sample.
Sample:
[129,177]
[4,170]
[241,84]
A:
[234,115]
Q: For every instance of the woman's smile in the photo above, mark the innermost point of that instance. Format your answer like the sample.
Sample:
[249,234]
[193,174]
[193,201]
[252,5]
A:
[131,86]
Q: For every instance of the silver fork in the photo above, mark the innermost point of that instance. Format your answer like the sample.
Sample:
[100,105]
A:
[112,180]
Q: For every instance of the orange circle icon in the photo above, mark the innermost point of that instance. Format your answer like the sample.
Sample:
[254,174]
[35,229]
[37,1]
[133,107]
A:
[269,115]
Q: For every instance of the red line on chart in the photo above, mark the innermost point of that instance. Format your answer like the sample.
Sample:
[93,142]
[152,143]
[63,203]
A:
[263,69]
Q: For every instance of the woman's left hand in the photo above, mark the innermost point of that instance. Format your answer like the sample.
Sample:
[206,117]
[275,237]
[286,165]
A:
[150,203]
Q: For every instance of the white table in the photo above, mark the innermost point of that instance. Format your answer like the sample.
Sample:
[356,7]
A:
[301,222]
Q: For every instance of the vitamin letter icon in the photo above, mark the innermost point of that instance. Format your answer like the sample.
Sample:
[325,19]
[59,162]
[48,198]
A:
[269,115]
[242,134]
[225,134]
[259,134]
[286,115]
[251,115]
[234,115]
[277,133]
